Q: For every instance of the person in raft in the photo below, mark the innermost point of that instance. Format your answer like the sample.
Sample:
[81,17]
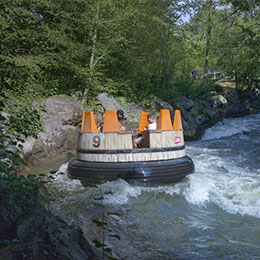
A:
[121,117]
[152,122]
[152,126]
[100,121]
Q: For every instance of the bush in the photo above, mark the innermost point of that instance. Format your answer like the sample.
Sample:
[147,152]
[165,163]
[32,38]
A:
[25,120]
[193,89]
[217,87]
[19,195]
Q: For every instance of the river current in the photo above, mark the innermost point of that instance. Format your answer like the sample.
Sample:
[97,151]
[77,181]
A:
[213,213]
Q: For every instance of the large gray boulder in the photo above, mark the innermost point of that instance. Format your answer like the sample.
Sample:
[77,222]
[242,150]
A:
[132,111]
[109,102]
[135,110]
[185,103]
[63,108]
[52,124]
[61,118]
[42,235]
[157,104]
[192,128]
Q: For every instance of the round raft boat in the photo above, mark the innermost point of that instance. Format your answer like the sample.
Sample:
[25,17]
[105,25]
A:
[111,154]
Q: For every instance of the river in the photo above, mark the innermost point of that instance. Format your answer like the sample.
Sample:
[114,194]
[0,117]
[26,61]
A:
[213,213]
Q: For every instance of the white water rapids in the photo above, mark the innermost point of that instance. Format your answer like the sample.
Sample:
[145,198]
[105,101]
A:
[214,213]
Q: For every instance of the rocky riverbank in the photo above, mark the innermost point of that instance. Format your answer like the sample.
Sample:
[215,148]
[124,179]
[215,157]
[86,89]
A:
[62,117]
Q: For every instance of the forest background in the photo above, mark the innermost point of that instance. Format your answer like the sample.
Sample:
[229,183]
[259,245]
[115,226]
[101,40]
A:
[132,48]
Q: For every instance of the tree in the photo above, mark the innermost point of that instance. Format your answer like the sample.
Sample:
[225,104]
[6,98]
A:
[238,49]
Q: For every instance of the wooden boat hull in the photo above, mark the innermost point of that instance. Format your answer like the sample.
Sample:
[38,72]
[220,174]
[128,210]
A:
[113,154]
[148,173]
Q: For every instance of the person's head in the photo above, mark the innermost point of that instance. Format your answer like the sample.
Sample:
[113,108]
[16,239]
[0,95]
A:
[100,117]
[151,118]
[120,115]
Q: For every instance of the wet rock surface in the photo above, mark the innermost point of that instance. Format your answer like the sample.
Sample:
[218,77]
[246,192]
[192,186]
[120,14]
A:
[41,235]
[199,115]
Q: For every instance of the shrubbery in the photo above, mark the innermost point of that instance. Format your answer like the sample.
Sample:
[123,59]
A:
[192,89]
[19,195]
[26,120]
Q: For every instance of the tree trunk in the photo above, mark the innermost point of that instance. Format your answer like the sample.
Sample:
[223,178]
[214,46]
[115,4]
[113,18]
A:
[92,59]
[206,66]
[209,30]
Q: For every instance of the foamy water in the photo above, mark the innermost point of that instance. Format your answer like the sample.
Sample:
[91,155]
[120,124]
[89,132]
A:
[229,127]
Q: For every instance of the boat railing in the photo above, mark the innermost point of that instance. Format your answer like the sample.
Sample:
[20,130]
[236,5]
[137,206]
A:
[111,138]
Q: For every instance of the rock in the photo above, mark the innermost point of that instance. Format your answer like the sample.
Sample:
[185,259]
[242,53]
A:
[4,122]
[194,110]
[49,146]
[157,104]
[218,101]
[51,125]
[135,110]
[60,137]
[185,124]
[193,134]
[5,115]
[132,111]
[63,108]
[192,128]
[184,103]
[45,236]
[166,105]
[200,118]
[208,111]
[71,137]
[60,121]
[62,114]
[109,102]
[237,110]
[28,145]
[36,149]
[232,97]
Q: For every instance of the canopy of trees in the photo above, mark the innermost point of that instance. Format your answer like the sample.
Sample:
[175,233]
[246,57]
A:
[134,48]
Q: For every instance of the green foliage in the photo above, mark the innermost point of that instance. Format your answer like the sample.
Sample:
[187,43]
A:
[10,157]
[120,47]
[224,35]
[135,49]
[218,88]
[26,120]
[94,105]
[194,89]
[241,59]
[132,48]
[102,221]
[19,195]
